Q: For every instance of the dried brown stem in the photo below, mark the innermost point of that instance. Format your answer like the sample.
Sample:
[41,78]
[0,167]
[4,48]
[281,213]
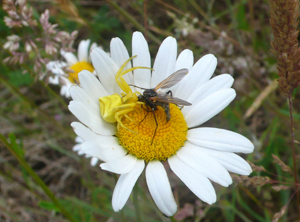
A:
[293,148]
[284,23]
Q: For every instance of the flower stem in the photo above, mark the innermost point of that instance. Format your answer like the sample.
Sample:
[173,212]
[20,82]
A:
[293,147]
[36,178]
[133,20]
[136,203]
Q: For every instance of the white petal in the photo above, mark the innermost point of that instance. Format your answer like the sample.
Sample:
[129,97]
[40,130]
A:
[83,132]
[94,45]
[160,189]
[94,161]
[80,152]
[197,183]
[76,148]
[83,50]
[184,60]
[204,164]
[220,139]
[56,67]
[142,77]
[105,148]
[209,107]
[54,80]
[78,140]
[125,185]
[106,69]
[213,85]
[69,57]
[164,63]
[120,165]
[64,91]
[95,123]
[231,161]
[78,94]
[200,73]
[119,54]
[92,86]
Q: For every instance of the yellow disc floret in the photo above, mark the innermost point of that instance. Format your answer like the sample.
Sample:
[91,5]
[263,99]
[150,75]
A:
[169,136]
[77,68]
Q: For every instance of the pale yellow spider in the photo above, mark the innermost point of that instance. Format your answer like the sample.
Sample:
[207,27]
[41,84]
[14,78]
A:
[114,107]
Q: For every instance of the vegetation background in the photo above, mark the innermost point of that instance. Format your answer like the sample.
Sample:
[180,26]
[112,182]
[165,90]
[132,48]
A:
[35,121]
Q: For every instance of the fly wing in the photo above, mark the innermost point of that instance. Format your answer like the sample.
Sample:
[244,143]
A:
[170,99]
[172,80]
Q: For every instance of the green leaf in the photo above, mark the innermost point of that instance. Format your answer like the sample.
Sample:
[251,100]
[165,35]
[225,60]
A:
[48,206]
[241,18]
[16,145]
[17,78]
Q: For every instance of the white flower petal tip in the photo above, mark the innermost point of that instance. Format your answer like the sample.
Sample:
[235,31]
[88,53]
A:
[160,189]
[213,85]
[230,161]
[200,73]
[119,55]
[94,161]
[164,63]
[78,140]
[91,85]
[78,94]
[220,139]
[204,164]
[142,77]
[69,57]
[196,182]
[105,148]
[83,132]
[120,165]
[76,148]
[184,60]
[83,50]
[125,185]
[209,107]
[106,69]
[118,51]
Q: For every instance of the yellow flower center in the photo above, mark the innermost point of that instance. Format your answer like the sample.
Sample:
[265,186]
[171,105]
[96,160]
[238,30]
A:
[77,68]
[169,136]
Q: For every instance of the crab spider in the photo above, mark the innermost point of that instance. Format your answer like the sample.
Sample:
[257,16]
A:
[114,107]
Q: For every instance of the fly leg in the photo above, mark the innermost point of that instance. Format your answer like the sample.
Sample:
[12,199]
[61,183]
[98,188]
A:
[146,114]
[156,125]
[170,92]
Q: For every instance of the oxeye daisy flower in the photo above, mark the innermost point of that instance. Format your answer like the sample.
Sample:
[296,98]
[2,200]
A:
[139,138]
[66,73]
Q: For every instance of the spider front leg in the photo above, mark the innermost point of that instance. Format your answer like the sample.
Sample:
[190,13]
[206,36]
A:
[121,111]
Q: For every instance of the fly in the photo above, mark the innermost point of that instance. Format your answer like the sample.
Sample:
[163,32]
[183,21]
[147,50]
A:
[152,98]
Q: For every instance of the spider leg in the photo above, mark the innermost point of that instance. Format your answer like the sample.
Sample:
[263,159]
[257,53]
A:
[130,119]
[119,75]
[118,119]
[122,111]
